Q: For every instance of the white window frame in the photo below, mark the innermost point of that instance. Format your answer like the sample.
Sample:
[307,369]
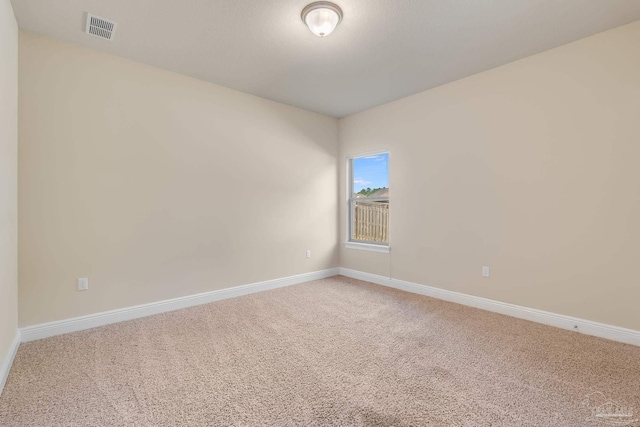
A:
[350,243]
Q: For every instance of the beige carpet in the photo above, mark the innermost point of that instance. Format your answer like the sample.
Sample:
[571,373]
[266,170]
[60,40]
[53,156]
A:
[334,352]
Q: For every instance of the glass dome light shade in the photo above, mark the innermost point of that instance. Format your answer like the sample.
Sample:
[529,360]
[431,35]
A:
[322,17]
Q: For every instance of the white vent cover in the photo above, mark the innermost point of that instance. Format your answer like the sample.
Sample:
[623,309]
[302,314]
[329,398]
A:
[101,27]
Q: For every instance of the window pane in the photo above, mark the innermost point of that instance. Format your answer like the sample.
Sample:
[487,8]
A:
[369,216]
[370,221]
[370,174]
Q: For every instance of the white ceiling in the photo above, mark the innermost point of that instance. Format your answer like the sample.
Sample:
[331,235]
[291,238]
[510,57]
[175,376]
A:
[383,49]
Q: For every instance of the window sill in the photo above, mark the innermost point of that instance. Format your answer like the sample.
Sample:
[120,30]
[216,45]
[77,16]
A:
[384,249]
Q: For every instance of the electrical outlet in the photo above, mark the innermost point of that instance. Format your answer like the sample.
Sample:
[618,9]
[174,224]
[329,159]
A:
[308,253]
[485,271]
[83,284]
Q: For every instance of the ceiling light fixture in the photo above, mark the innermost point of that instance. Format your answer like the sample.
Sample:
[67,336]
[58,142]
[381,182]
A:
[322,17]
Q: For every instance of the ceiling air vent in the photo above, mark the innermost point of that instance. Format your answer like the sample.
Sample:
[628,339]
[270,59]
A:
[101,27]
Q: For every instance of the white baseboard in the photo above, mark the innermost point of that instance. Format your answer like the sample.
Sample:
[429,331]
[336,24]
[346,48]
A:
[50,329]
[8,360]
[588,327]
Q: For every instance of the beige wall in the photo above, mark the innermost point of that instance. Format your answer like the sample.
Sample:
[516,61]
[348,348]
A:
[8,178]
[531,168]
[155,185]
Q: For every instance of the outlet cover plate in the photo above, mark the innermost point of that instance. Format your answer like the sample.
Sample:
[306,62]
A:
[485,271]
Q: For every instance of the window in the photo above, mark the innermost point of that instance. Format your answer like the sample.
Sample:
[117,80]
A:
[369,201]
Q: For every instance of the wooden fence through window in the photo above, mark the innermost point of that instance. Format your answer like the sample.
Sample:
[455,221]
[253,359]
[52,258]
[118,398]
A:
[371,222]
